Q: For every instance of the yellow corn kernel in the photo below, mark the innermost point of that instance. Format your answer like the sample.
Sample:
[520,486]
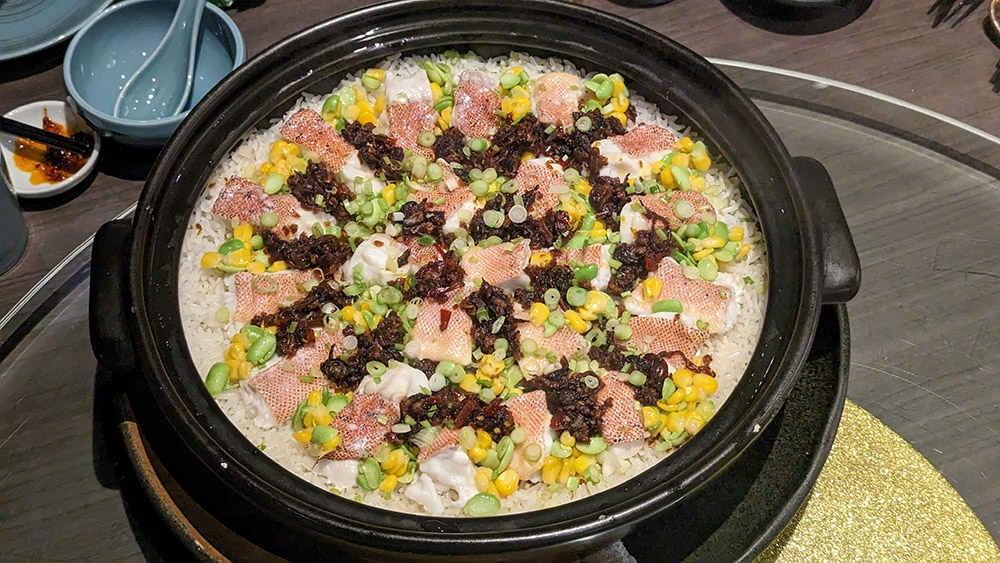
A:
[681,159]
[575,209]
[657,166]
[586,315]
[676,397]
[359,319]
[520,105]
[576,322]
[347,313]
[236,352]
[234,370]
[505,105]
[244,370]
[498,386]
[703,253]
[550,469]
[736,234]
[395,463]
[506,483]
[599,230]
[619,87]
[210,259]
[685,144]
[266,168]
[379,104]
[596,302]
[581,463]
[705,382]
[482,478]
[567,439]
[332,444]
[620,116]
[445,120]
[366,306]
[314,398]
[693,422]
[477,454]
[713,242]
[435,91]
[666,176]
[278,266]
[691,394]
[243,232]
[675,422]
[257,268]
[352,112]
[583,187]
[277,152]
[388,484]
[307,420]
[242,339]
[650,418]
[376,73]
[490,366]
[388,193]
[366,116]
[539,313]
[698,183]
[683,377]
[566,470]
[744,250]
[321,417]
[542,258]
[303,436]
[651,288]
[701,162]
[483,439]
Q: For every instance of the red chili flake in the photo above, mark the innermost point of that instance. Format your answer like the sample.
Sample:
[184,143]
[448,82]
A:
[445,319]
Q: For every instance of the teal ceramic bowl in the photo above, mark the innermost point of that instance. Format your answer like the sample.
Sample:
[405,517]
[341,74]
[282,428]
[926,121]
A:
[108,50]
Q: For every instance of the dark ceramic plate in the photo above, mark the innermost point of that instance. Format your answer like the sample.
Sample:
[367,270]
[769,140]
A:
[733,518]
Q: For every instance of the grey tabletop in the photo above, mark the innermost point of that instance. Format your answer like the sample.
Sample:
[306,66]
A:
[920,193]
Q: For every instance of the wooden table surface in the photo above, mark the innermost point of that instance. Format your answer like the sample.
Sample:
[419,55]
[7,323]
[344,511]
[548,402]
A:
[891,49]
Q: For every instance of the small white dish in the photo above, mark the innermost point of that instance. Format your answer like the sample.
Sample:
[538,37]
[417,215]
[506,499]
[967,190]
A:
[32,114]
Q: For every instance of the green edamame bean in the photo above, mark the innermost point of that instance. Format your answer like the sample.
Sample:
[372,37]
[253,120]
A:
[217,378]
[230,246]
[596,446]
[482,504]
[262,350]
[253,332]
[605,91]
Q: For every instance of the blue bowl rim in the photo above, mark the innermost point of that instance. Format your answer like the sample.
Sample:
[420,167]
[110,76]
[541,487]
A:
[239,57]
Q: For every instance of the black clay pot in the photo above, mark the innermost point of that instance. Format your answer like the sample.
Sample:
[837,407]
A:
[136,324]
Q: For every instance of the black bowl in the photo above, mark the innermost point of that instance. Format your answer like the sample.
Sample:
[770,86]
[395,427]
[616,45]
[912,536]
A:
[136,319]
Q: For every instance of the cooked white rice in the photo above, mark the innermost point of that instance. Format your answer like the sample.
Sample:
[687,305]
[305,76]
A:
[203,292]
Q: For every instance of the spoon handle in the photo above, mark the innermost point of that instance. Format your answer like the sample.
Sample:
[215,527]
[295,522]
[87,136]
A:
[42,136]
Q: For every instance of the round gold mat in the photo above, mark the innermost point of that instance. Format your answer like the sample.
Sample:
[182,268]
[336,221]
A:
[878,499]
